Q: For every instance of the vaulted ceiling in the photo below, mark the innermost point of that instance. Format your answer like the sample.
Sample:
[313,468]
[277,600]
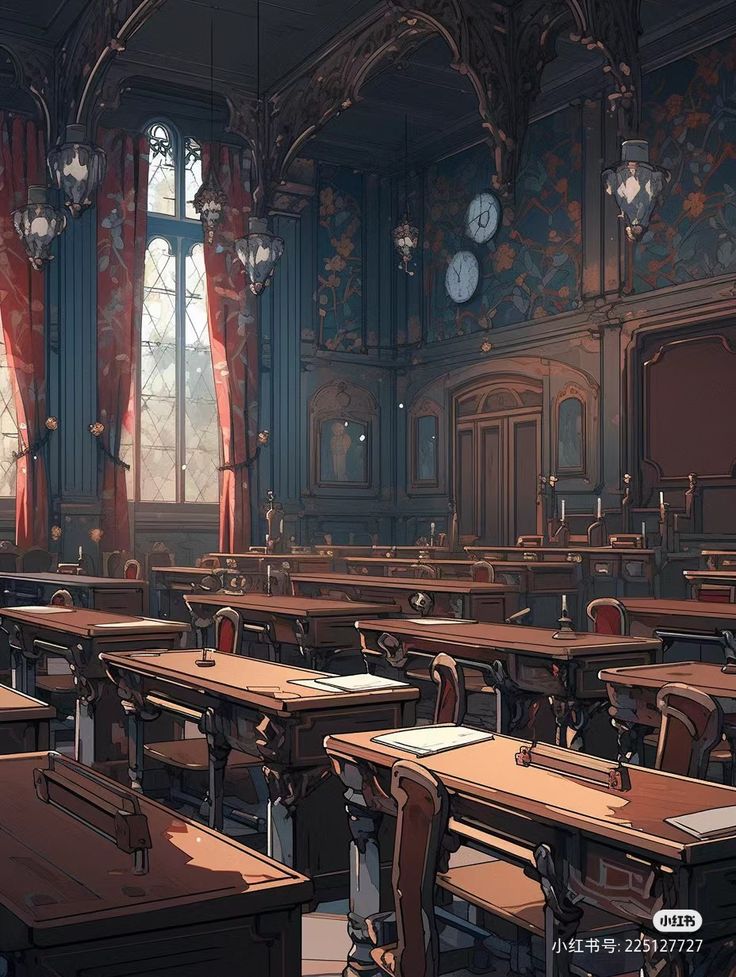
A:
[171,51]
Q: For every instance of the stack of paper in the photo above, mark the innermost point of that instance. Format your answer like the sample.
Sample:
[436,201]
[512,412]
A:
[717,822]
[427,740]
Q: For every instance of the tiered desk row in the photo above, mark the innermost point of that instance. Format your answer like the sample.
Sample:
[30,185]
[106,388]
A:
[273,692]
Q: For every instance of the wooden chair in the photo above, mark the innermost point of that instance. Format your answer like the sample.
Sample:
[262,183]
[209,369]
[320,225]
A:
[62,598]
[160,556]
[209,563]
[482,571]
[607,616]
[421,824]
[529,542]
[692,726]
[423,571]
[451,700]
[132,570]
[36,560]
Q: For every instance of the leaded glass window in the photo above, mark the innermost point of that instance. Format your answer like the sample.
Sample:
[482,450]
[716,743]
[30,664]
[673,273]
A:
[178,442]
[8,427]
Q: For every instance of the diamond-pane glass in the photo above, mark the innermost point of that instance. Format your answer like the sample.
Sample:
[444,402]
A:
[192,175]
[8,428]
[161,171]
[157,452]
[201,431]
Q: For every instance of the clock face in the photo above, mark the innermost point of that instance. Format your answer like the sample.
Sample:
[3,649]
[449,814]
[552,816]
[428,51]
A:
[483,217]
[462,276]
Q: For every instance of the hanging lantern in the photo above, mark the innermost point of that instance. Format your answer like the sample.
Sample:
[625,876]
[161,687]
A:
[259,251]
[406,239]
[77,168]
[636,185]
[209,202]
[38,224]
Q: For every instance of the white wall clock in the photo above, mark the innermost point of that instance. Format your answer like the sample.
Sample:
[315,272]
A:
[463,275]
[483,217]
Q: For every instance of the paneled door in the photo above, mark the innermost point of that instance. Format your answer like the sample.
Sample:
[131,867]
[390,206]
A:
[497,466]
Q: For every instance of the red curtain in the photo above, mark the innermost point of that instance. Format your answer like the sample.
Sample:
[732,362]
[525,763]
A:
[23,162]
[233,326]
[121,251]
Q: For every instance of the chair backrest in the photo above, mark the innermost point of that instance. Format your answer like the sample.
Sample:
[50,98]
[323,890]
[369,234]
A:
[209,563]
[423,570]
[9,556]
[227,631]
[451,702]
[159,556]
[132,570]
[483,572]
[36,560]
[62,598]
[607,616]
[421,823]
[114,563]
[280,582]
[692,724]
[716,593]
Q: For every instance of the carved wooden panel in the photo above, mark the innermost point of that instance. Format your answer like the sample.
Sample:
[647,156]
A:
[689,407]
[425,446]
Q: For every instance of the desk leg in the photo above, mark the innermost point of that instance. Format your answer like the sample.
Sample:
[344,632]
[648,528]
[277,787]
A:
[17,669]
[365,882]
[515,710]
[630,740]
[572,717]
[561,915]
[84,736]
[135,744]
[219,750]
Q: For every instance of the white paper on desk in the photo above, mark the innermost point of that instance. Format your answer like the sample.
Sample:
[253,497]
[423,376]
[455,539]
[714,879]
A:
[147,623]
[312,683]
[427,740]
[431,622]
[360,683]
[714,823]
[41,609]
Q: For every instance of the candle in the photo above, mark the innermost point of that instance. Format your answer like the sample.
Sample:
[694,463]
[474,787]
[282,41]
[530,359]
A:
[431,528]
[643,530]
[563,510]
[80,552]
[564,603]
[661,499]
[600,510]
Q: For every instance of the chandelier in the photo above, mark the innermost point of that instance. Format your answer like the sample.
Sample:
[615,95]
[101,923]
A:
[259,251]
[636,185]
[38,224]
[209,201]
[77,168]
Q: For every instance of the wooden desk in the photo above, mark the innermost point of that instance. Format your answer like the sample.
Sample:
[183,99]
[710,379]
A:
[615,850]
[79,635]
[526,663]
[293,562]
[452,598]
[101,593]
[633,696]
[24,722]
[648,614]
[77,909]
[318,627]
[721,578]
[169,584]
[255,706]
[719,559]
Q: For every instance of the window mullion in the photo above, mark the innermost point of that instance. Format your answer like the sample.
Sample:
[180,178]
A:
[180,368]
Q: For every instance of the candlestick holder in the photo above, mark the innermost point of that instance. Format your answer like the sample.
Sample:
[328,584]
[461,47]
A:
[566,631]
[204,661]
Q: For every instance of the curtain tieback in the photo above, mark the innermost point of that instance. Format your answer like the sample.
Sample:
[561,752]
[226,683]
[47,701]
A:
[97,429]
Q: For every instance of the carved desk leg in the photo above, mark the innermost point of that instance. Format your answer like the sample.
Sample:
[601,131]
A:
[515,709]
[137,713]
[630,740]
[365,873]
[572,717]
[218,749]
[562,914]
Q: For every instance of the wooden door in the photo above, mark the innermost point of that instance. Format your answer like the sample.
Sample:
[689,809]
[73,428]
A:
[497,464]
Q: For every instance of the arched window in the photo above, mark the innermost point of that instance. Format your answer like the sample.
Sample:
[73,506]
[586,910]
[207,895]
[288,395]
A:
[8,427]
[178,444]
[571,436]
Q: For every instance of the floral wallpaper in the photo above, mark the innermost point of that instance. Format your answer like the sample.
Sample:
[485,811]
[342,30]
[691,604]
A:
[339,295]
[689,117]
[532,266]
